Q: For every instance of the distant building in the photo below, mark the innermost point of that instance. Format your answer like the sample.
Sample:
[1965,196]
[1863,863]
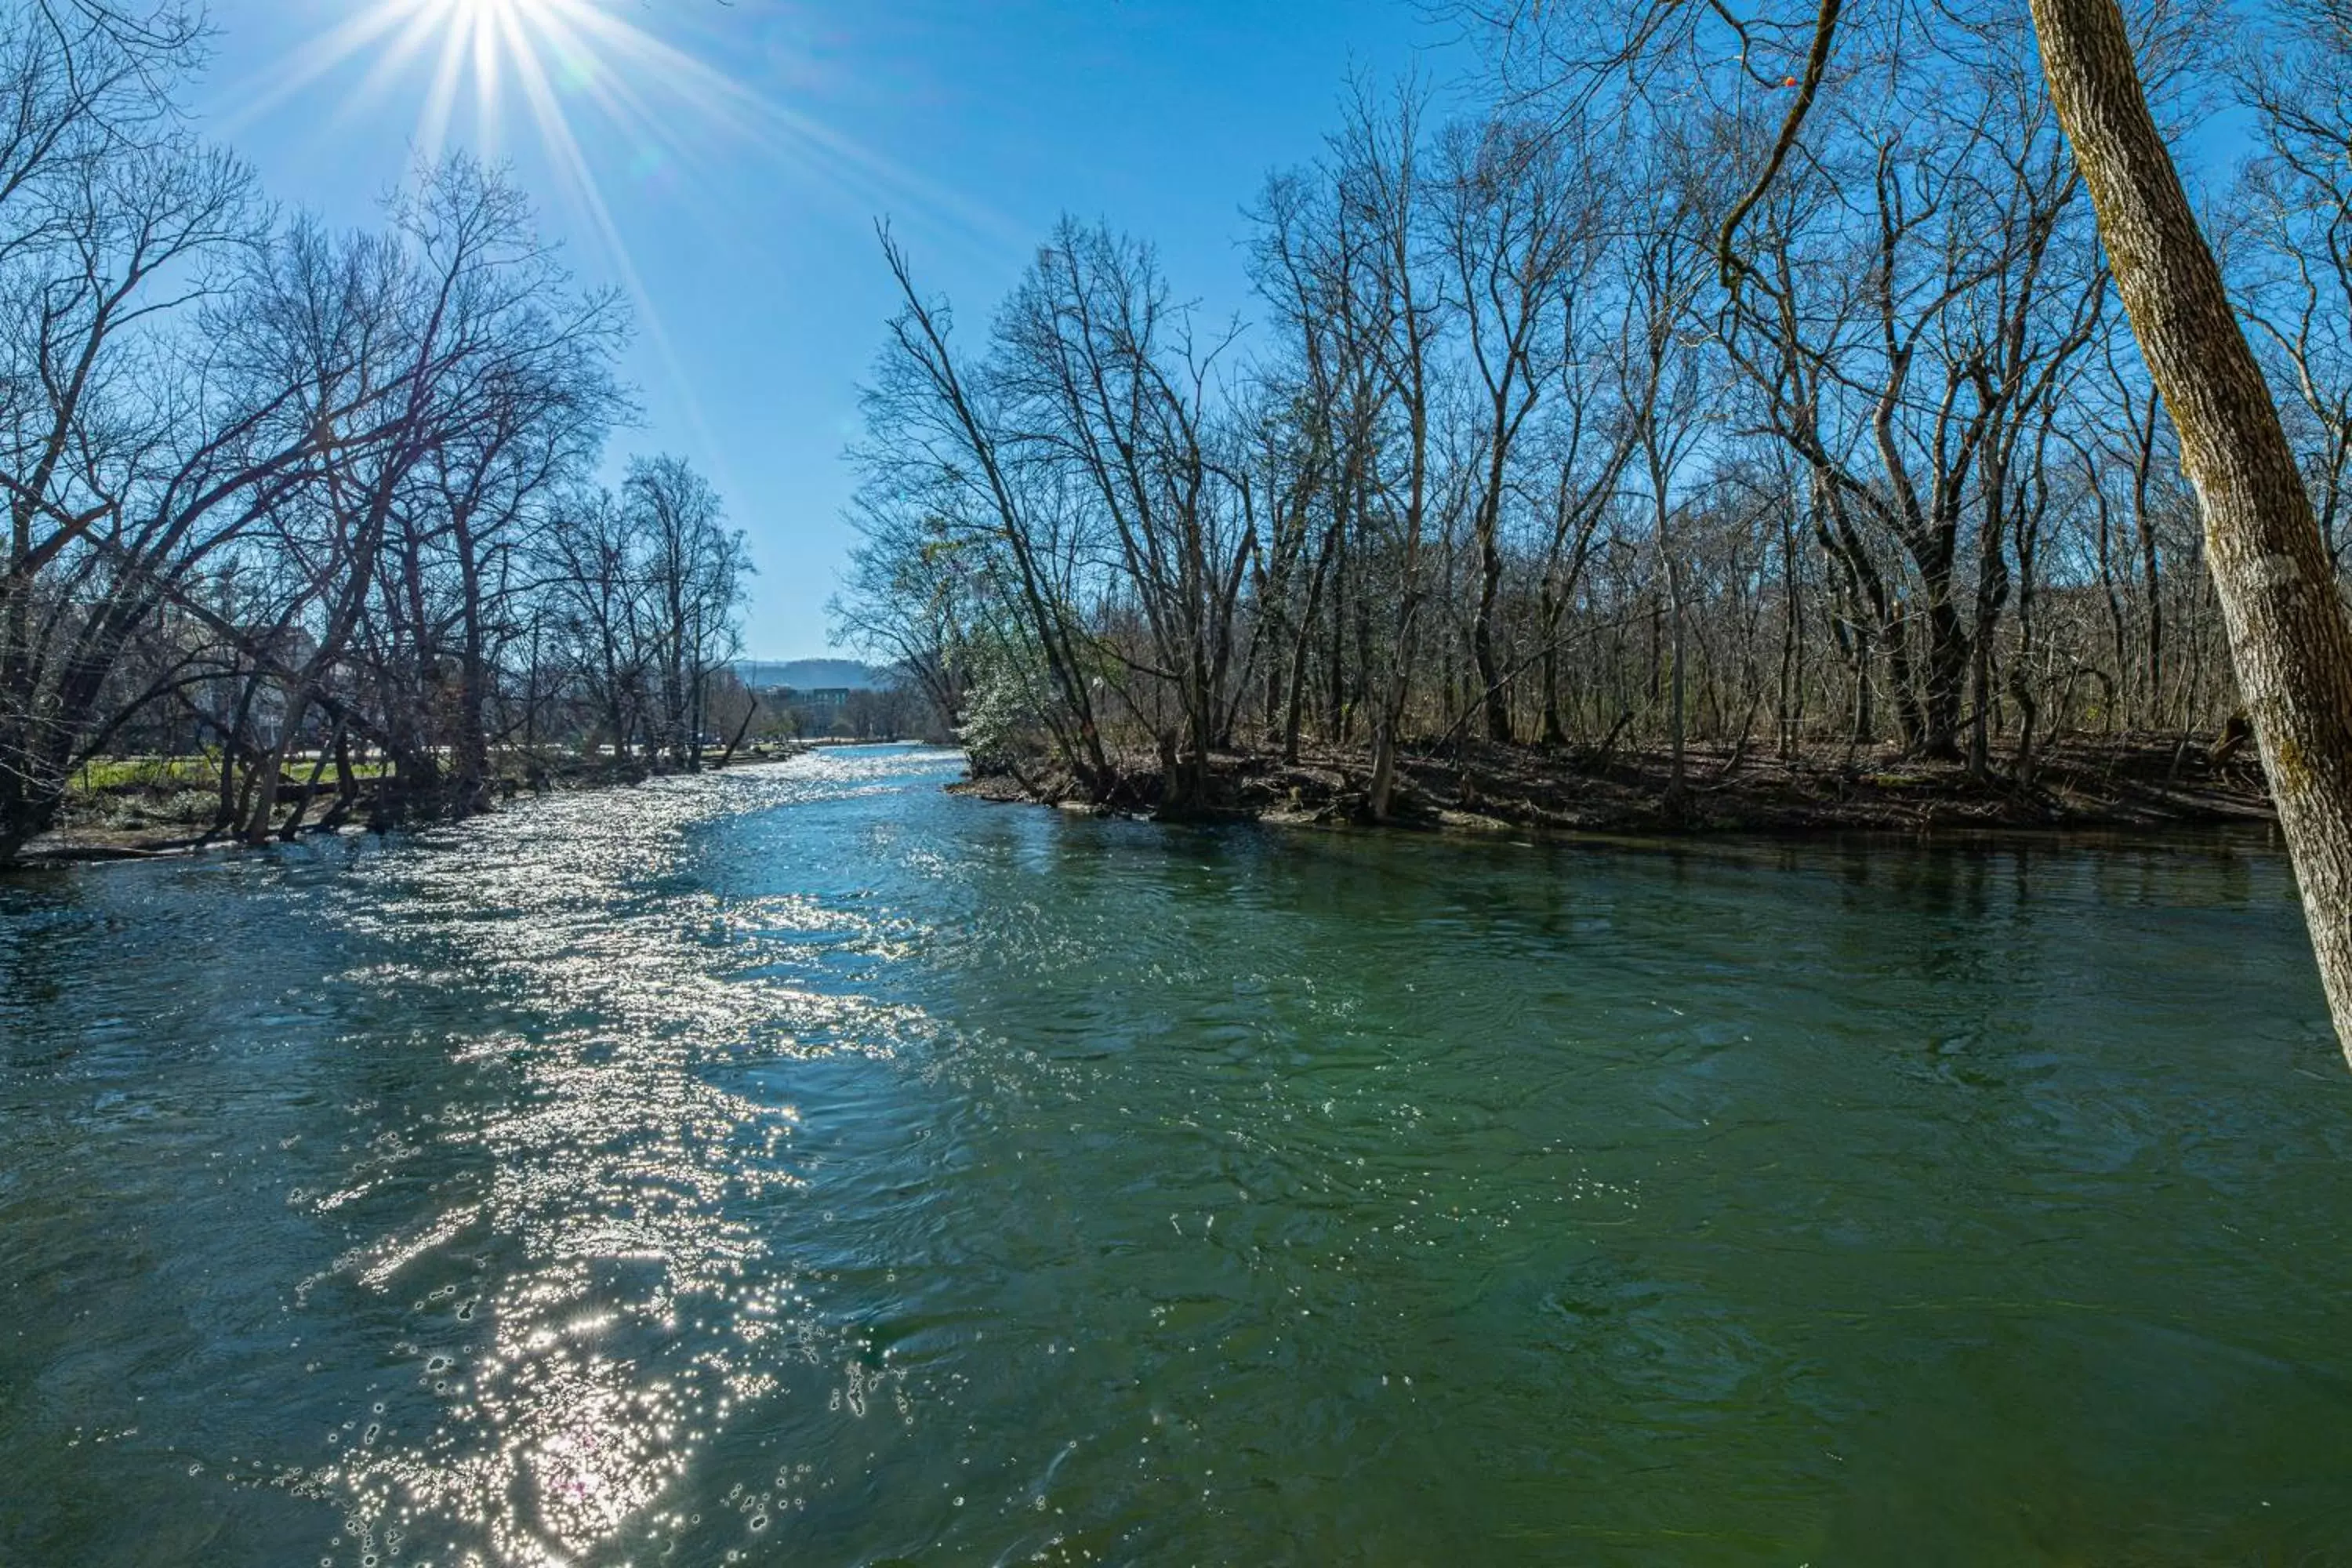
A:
[824,700]
[806,674]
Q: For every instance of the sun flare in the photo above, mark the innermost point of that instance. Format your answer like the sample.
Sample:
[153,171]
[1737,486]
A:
[608,103]
[556,59]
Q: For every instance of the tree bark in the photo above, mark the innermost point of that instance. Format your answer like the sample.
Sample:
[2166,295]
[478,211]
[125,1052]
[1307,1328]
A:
[470,754]
[2288,632]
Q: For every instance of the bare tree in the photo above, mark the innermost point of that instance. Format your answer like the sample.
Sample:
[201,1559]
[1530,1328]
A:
[1104,379]
[694,570]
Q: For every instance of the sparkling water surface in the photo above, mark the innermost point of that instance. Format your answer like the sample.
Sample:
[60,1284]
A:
[801,1165]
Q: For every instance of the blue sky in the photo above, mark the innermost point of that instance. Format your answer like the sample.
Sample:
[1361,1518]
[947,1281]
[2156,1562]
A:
[740,176]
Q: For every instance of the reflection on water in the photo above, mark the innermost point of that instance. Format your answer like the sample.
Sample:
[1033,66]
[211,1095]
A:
[624,1306]
[590,1310]
[799,1164]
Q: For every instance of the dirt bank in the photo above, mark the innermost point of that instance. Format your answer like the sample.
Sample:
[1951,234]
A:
[2126,783]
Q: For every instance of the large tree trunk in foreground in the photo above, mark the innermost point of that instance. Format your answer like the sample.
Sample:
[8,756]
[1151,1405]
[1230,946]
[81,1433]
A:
[2288,631]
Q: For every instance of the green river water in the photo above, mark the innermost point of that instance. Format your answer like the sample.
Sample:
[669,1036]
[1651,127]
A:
[801,1165]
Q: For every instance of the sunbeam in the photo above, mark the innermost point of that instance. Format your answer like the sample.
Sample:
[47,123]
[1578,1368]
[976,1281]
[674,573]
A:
[554,67]
[566,61]
[607,104]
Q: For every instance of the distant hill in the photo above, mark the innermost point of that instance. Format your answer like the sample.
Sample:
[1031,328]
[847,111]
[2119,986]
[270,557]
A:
[808,674]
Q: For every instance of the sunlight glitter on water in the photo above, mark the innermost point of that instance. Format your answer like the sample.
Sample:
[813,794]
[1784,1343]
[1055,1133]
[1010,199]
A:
[606,1308]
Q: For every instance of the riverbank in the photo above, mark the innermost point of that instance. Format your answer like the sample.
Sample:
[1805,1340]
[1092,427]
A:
[168,808]
[2122,784]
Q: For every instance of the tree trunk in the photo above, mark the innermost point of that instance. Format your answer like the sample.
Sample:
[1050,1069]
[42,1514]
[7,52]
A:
[751,712]
[1555,734]
[1495,691]
[285,834]
[2288,632]
[470,748]
[1677,801]
[1301,652]
[347,782]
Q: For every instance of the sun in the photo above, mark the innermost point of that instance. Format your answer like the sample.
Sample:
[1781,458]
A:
[608,102]
[473,9]
[536,46]
[498,74]
[487,32]
[554,58]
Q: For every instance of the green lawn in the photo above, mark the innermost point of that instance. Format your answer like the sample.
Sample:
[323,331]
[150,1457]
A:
[183,773]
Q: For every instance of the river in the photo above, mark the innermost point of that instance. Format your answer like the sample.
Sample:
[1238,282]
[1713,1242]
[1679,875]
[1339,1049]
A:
[800,1164]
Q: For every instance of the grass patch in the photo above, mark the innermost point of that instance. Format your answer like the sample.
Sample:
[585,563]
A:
[172,776]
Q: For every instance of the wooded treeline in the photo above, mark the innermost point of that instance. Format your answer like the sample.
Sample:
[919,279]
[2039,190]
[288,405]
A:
[1516,447]
[294,495]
